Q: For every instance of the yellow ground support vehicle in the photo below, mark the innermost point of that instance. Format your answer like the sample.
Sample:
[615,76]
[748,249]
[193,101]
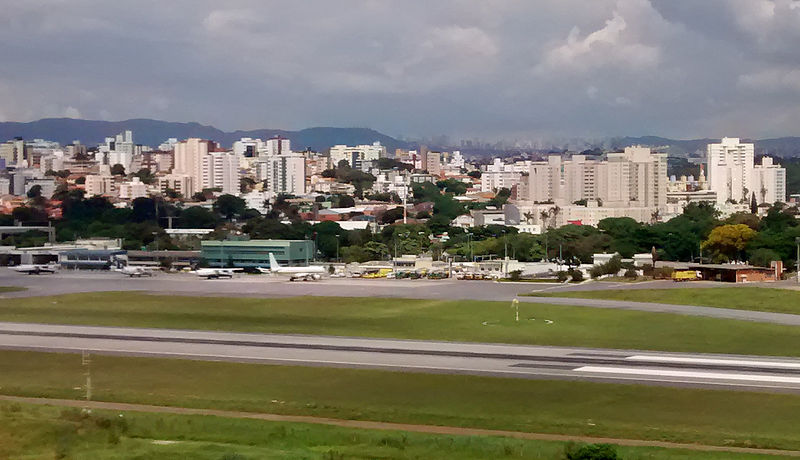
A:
[685,275]
[378,274]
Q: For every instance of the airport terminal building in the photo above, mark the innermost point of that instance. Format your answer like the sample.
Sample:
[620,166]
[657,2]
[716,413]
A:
[255,253]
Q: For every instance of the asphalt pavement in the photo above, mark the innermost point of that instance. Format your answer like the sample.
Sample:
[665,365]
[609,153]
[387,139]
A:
[753,373]
[241,285]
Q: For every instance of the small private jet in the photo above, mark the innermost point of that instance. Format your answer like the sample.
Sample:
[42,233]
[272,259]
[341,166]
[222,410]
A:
[309,273]
[35,269]
[136,271]
[214,273]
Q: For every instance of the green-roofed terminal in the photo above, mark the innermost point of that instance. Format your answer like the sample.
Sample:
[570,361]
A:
[255,253]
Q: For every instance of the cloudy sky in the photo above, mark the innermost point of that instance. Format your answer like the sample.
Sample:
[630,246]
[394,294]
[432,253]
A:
[491,69]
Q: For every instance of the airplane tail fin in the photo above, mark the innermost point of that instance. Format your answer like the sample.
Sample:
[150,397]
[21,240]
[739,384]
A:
[273,264]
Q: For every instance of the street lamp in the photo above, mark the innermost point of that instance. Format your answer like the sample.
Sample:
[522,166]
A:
[337,247]
[797,263]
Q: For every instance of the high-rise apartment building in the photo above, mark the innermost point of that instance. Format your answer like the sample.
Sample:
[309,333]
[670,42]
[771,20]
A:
[15,153]
[636,177]
[221,170]
[284,173]
[734,176]
[278,146]
[769,182]
[730,169]
[433,163]
[189,158]
[119,149]
[354,156]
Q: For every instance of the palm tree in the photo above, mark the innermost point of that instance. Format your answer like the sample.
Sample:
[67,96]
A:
[544,216]
[528,217]
[554,212]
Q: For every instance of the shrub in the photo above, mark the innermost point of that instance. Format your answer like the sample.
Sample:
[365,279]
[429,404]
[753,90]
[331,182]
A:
[562,276]
[631,274]
[662,273]
[577,276]
[590,452]
[515,275]
[596,271]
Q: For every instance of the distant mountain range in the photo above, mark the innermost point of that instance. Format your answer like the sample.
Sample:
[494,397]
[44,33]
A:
[154,132]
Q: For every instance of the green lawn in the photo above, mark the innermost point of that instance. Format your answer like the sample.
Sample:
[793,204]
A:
[575,408]
[415,319]
[29,431]
[740,298]
[11,289]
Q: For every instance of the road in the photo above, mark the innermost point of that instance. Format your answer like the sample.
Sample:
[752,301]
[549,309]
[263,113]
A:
[534,362]
[266,286]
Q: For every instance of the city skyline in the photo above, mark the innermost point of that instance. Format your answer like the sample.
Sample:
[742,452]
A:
[493,71]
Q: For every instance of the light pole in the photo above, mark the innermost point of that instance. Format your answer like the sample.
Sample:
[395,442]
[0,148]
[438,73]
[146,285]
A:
[797,263]
[337,247]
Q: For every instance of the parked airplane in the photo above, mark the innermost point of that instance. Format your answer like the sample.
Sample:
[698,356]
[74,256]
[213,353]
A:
[136,271]
[36,269]
[310,273]
[213,273]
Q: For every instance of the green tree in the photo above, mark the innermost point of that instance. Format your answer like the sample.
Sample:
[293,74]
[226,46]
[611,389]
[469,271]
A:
[118,170]
[197,217]
[762,257]
[145,175]
[35,191]
[376,250]
[229,206]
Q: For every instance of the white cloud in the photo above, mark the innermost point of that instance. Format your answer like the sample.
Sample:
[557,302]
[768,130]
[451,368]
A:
[71,112]
[614,44]
[771,80]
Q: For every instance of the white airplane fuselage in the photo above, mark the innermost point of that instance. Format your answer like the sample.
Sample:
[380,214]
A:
[309,273]
[214,273]
[35,269]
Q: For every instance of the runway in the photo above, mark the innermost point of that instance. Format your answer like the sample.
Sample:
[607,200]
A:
[753,373]
[67,282]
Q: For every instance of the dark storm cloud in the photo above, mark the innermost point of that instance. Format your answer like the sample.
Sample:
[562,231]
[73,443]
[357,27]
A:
[515,69]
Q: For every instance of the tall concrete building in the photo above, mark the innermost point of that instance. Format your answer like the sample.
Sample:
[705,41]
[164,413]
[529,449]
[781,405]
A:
[278,146]
[221,170]
[636,177]
[730,169]
[769,182]
[285,173]
[15,153]
[433,163]
[119,149]
[354,156]
[189,158]
[248,147]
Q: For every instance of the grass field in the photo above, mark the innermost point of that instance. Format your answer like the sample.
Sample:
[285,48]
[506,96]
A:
[11,289]
[574,408]
[740,298]
[415,319]
[28,431]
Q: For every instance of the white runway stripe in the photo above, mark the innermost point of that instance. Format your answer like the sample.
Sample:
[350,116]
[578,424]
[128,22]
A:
[689,374]
[733,362]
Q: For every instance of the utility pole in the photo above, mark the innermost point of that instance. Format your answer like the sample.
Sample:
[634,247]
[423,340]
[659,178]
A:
[405,206]
[546,255]
[797,262]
